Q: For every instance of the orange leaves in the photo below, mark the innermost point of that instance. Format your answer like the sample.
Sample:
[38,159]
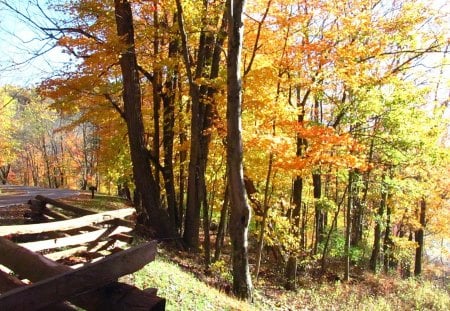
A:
[324,146]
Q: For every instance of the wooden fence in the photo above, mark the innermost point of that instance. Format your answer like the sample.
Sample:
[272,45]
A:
[58,286]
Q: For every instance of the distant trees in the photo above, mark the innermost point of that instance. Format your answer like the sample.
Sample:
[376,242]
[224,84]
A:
[45,148]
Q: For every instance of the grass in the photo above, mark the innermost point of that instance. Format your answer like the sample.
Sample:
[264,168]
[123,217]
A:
[100,202]
[182,290]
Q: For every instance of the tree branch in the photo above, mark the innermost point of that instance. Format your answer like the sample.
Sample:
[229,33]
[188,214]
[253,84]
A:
[115,105]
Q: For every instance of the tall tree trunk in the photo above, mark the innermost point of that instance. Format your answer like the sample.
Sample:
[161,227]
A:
[379,224]
[387,242]
[318,213]
[348,225]
[264,219]
[332,228]
[240,210]
[47,162]
[182,136]
[208,56]
[419,237]
[405,266]
[168,98]
[358,212]
[156,95]
[206,233]
[144,179]
[222,224]
[299,214]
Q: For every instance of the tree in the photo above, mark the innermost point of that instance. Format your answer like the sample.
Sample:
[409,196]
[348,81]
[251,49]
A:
[240,210]
[142,172]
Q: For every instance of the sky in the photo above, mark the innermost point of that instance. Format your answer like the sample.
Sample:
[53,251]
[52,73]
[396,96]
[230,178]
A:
[19,45]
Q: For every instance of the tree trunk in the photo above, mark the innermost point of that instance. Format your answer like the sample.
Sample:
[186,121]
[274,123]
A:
[264,220]
[348,226]
[358,212]
[332,228]
[206,229]
[201,118]
[318,213]
[144,179]
[377,231]
[222,224]
[168,99]
[387,242]
[240,210]
[4,172]
[405,266]
[419,238]
[299,213]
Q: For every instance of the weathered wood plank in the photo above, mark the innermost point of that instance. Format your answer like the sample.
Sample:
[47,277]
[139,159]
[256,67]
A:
[67,224]
[8,282]
[74,239]
[71,208]
[77,282]
[91,247]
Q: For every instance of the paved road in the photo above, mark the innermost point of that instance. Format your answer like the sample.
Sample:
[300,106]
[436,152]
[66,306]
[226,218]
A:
[13,195]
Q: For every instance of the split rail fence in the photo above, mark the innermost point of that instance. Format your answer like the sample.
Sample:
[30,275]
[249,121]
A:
[68,262]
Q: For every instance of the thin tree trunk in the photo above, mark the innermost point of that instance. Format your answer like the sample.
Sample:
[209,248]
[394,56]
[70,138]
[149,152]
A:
[332,227]
[47,162]
[419,237]
[348,226]
[318,213]
[168,99]
[264,219]
[201,118]
[297,194]
[240,210]
[377,231]
[387,242]
[156,94]
[222,225]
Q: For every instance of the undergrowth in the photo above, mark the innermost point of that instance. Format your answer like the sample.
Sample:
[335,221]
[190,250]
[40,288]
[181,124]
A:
[184,291]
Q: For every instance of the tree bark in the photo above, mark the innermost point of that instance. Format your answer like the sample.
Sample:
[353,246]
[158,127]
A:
[264,219]
[297,194]
[4,172]
[146,185]
[168,99]
[387,241]
[348,226]
[222,224]
[419,237]
[318,213]
[240,210]
[202,112]
[377,231]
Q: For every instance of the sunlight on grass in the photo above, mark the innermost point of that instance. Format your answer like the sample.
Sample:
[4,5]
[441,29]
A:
[100,202]
[182,290]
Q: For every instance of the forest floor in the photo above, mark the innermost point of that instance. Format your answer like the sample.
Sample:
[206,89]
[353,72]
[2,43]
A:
[181,278]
